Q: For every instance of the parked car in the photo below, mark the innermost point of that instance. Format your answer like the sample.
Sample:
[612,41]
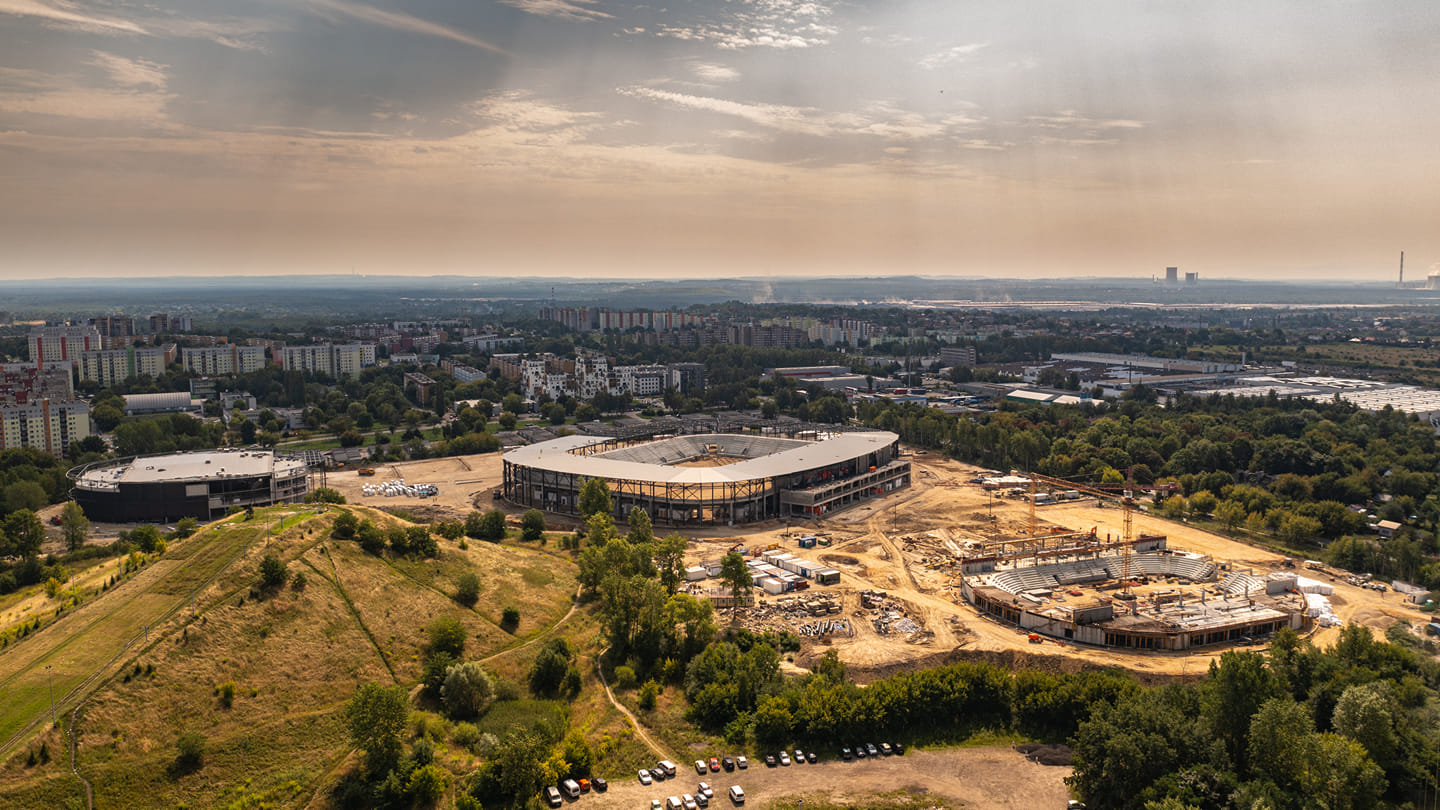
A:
[870,750]
[600,784]
[704,790]
[668,767]
[799,756]
[846,754]
[886,749]
[702,800]
[655,805]
[688,802]
[784,758]
[700,767]
[658,773]
[714,764]
[769,760]
[570,788]
[584,785]
[859,752]
[728,763]
[811,757]
[552,796]
[737,794]
[899,749]
[645,777]
[742,763]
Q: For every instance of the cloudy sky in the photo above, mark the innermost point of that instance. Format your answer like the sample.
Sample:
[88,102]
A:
[702,137]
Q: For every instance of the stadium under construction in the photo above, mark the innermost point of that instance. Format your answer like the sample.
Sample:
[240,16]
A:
[714,478]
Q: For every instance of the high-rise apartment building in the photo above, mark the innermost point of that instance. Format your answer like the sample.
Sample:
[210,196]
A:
[111,366]
[332,359]
[53,345]
[223,360]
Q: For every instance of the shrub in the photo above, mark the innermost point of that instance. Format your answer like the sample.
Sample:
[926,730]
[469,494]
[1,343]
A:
[492,526]
[465,735]
[299,582]
[468,690]
[532,525]
[625,677]
[446,634]
[226,693]
[346,524]
[510,618]
[649,693]
[273,572]
[371,538]
[427,784]
[467,589]
[190,751]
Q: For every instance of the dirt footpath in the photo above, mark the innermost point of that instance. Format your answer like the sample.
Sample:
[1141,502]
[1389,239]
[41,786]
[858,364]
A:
[978,778]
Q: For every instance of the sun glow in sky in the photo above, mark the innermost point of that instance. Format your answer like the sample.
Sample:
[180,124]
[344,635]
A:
[694,138]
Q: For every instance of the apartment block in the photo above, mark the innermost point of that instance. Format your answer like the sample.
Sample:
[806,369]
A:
[47,425]
[219,361]
[111,366]
[334,360]
[57,345]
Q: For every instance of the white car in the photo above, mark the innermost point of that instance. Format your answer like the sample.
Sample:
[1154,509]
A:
[742,763]
[704,788]
[737,794]
[688,802]
[655,804]
[645,777]
[784,758]
[701,768]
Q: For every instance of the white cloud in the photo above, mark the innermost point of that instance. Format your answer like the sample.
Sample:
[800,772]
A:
[68,14]
[712,72]
[1071,119]
[564,9]
[35,93]
[802,120]
[950,56]
[397,21]
[779,24]
[130,72]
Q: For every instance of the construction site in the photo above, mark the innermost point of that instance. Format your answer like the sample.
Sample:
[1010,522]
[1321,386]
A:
[956,567]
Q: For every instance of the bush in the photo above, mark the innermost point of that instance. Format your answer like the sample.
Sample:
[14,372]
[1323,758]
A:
[492,526]
[467,589]
[649,693]
[427,784]
[625,677]
[273,572]
[299,582]
[371,538]
[433,676]
[346,524]
[190,751]
[468,690]
[510,618]
[325,495]
[446,634]
[465,735]
[532,525]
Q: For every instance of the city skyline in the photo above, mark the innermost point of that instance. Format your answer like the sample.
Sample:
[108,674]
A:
[706,138]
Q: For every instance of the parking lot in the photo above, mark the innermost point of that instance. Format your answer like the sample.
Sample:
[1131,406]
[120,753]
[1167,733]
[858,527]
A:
[979,778]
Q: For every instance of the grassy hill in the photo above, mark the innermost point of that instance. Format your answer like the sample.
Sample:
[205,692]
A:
[295,656]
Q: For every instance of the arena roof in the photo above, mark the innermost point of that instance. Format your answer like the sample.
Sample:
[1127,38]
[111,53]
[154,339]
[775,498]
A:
[190,467]
[556,456]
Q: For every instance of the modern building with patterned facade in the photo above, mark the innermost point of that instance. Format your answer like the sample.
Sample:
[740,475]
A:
[203,485]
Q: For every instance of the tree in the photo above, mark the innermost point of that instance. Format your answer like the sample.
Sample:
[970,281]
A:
[492,526]
[670,561]
[25,495]
[1366,713]
[595,497]
[346,524]
[532,525]
[1341,776]
[437,664]
[371,538]
[474,524]
[427,784]
[145,537]
[74,525]
[507,420]
[1282,737]
[446,634]
[467,691]
[325,495]
[376,717]
[1230,514]
[1239,685]
[649,693]
[25,533]
[641,529]
[273,572]
[773,721]
[736,576]
[185,527]
[547,673]
[510,618]
[189,751]
[467,589]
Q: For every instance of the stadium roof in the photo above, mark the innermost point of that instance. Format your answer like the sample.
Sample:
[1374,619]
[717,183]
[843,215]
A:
[189,467]
[556,456]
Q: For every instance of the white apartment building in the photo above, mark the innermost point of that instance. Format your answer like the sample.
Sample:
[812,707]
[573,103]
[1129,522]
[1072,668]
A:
[53,345]
[110,366]
[331,359]
[46,425]
[219,361]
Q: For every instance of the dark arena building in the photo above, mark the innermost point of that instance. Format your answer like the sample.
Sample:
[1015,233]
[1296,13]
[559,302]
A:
[202,485]
[716,478]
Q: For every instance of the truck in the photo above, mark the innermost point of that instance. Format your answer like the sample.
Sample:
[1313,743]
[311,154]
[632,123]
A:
[366,471]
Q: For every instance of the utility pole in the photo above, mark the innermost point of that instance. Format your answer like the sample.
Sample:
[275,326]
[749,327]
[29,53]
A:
[50,676]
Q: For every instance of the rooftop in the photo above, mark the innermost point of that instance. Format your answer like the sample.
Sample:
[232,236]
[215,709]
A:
[201,466]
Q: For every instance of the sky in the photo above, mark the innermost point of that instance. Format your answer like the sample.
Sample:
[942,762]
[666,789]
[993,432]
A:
[704,138]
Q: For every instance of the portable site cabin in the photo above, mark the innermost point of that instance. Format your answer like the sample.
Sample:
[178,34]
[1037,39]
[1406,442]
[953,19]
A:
[827,576]
[771,586]
[695,573]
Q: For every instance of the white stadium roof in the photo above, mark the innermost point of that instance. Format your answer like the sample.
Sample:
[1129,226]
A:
[556,456]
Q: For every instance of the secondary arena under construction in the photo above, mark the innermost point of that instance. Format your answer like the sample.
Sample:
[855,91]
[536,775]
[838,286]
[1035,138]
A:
[716,478]
[1135,594]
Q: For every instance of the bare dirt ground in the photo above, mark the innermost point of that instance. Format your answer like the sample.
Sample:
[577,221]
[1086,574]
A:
[460,478]
[979,778]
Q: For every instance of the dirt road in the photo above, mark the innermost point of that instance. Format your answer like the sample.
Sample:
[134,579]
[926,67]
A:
[978,778]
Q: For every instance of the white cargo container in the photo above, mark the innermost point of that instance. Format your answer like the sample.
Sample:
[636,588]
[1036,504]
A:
[772,586]
[695,573]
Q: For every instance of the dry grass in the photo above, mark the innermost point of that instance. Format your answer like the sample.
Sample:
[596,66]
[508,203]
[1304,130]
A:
[294,656]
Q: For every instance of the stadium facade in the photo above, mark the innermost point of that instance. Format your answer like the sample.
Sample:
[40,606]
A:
[202,485]
[717,478]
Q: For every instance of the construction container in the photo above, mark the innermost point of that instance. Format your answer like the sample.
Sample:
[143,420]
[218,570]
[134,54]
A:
[695,573]
[827,576]
[772,586]
[807,542]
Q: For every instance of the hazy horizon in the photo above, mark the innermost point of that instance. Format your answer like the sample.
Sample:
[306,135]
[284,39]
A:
[719,139]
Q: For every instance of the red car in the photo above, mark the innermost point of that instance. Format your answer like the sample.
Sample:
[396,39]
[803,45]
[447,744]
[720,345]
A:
[714,764]
[584,785]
